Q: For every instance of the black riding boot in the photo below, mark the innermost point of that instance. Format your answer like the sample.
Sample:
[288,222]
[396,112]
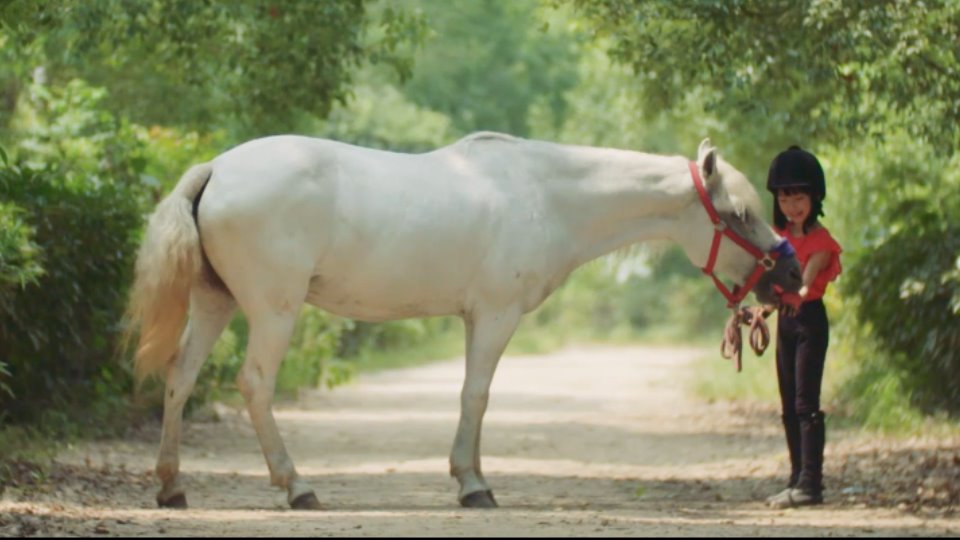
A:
[809,485]
[812,440]
[791,428]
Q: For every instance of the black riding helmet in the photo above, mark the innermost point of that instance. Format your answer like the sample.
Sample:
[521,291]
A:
[795,168]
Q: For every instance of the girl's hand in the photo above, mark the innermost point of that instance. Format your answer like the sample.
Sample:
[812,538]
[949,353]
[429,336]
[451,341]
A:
[790,303]
[761,311]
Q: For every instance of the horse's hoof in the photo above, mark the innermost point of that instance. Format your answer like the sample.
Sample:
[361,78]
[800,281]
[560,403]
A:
[176,501]
[307,501]
[479,499]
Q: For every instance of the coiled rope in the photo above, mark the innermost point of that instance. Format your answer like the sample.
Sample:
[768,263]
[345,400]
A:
[732,345]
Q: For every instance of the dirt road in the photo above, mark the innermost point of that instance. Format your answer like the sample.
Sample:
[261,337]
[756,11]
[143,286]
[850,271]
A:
[590,441]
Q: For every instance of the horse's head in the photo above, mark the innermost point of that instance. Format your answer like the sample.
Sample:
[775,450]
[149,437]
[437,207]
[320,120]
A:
[726,234]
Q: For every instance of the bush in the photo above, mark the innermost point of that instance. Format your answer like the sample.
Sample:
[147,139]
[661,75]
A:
[57,332]
[73,200]
[324,351]
[908,292]
[894,210]
[19,265]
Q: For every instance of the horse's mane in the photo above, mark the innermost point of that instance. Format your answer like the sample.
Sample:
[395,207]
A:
[488,135]
[734,183]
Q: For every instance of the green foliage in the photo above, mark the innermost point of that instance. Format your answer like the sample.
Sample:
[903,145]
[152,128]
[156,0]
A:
[257,64]
[875,189]
[444,340]
[325,351]
[79,205]
[878,395]
[489,62]
[898,202]
[654,296]
[19,265]
[311,360]
[587,305]
[24,455]
[759,62]
[717,379]
[380,116]
[71,128]
[84,237]
[912,277]
[13,69]
[170,151]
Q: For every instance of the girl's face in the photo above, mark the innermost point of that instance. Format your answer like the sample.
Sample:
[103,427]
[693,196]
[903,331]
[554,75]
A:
[794,205]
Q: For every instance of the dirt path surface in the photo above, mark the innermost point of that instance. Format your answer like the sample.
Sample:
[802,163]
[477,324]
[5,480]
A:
[591,441]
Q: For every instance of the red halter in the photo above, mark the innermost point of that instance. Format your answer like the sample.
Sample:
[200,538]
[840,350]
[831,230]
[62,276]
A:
[765,261]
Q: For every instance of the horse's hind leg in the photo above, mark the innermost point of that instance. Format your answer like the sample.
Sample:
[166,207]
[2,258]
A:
[210,311]
[270,332]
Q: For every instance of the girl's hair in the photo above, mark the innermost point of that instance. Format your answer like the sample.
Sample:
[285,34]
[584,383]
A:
[816,207]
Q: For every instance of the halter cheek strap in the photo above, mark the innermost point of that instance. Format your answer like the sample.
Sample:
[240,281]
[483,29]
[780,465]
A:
[765,261]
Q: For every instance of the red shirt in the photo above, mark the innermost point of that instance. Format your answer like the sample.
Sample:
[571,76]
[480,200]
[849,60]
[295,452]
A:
[816,240]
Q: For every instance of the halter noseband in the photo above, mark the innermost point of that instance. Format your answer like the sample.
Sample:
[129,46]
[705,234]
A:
[765,261]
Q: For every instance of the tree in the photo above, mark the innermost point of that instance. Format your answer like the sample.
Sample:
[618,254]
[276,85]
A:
[258,64]
[489,62]
[823,68]
[872,85]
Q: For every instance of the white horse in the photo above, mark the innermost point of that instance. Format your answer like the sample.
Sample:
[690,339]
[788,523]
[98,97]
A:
[485,229]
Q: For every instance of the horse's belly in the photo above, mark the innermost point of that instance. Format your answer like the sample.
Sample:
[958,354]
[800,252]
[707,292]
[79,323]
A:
[381,298]
[429,279]
[361,311]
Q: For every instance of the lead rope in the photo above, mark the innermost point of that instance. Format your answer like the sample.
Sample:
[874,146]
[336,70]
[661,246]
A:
[732,345]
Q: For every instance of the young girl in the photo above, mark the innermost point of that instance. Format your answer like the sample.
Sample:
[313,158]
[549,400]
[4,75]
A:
[797,182]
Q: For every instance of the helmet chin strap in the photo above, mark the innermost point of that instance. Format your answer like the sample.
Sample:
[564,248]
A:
[765,261]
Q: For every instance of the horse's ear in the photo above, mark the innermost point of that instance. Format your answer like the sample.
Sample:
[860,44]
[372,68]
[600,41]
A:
[707,160]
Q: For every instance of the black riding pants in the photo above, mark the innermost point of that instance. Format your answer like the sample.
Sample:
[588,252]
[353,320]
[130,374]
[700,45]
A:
[801,353]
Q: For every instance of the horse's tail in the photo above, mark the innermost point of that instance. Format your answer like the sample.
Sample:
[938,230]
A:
[168,262]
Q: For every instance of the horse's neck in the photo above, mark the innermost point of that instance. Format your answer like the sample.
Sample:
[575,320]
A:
[609,199]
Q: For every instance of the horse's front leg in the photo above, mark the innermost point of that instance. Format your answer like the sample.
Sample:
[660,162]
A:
[487,335]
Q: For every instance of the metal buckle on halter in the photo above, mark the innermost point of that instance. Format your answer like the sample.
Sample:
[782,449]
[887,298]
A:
[768,262]
[720,226]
